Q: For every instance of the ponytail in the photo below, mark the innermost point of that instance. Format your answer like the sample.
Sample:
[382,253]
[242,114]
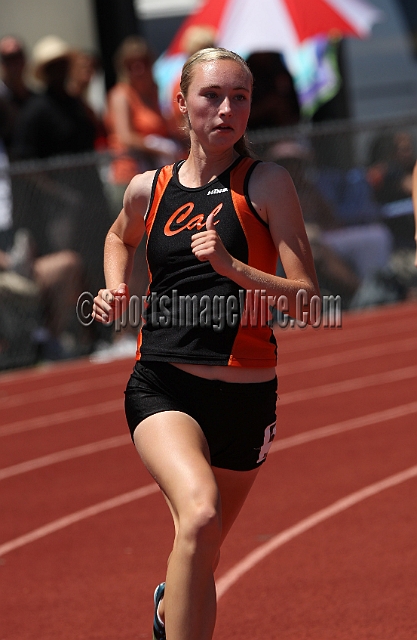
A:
[242,146]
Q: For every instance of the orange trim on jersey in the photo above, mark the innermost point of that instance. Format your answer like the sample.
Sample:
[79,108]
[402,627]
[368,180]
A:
[162,180]
[138,345]
[164,176]
[252,346]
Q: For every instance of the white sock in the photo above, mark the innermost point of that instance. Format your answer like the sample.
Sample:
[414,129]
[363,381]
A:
[159,619]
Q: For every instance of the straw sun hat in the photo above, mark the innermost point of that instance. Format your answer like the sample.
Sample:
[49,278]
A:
[47,50]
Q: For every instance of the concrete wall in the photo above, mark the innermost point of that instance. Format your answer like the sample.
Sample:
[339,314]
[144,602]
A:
[149,9]
[382,70]
[72,20]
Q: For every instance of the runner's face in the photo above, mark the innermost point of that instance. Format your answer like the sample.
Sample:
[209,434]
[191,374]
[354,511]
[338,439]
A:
[218,102]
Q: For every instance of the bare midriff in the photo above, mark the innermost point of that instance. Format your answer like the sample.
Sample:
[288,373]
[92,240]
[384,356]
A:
[228,374]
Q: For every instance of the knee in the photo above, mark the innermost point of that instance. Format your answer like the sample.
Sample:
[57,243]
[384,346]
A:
[201,528]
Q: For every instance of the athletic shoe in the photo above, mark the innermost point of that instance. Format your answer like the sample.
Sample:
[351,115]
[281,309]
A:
[158,628]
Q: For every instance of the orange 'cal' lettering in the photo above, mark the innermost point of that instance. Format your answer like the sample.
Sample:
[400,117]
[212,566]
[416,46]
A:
[180,215]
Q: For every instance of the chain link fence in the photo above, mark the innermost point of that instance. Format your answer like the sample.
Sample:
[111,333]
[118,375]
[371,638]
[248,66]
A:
[62,210]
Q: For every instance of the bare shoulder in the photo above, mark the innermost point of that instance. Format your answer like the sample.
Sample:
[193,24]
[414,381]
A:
[272,175]
[138,193]
[271,189]
[129,226]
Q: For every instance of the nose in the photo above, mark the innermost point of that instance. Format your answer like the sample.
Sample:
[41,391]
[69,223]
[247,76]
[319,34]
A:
[226,106]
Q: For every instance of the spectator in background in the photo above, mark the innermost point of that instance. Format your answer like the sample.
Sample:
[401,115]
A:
[138,133]
[52,280]
[63,207]
[275,102]
[392,157]
[390,167]
[53,122]
[82,73]
[13,86]
[348,254]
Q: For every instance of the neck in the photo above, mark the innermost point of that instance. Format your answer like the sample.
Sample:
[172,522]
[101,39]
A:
[202,167]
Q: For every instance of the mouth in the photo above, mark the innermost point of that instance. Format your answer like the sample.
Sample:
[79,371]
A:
[223,127]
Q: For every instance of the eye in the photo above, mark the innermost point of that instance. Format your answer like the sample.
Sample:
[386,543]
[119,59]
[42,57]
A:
[211,95]
[240,97]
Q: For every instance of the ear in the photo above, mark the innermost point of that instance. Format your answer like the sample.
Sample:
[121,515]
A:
[182,105]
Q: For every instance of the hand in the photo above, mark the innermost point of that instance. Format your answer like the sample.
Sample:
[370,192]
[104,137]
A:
[207,245]
[110,303]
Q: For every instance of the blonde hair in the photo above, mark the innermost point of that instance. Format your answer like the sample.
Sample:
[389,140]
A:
[197,37]
[212,54]
[130,48]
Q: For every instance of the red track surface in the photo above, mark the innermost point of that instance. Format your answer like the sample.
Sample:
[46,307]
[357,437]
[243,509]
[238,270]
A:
[324,549]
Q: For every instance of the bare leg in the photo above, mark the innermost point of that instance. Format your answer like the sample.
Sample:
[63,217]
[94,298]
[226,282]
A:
[175,452]
[234,487]
[204,503]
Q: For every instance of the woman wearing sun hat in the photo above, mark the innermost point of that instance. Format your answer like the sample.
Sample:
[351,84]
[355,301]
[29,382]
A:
[53,122]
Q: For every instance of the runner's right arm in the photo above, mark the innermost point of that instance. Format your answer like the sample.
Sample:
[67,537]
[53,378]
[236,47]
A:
[120,245]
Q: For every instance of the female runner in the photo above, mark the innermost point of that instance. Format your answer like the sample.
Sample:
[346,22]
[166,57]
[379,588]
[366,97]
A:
[201,400]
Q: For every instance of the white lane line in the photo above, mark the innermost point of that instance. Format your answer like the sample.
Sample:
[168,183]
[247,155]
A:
[63,390]
[288,398]
[306,338]
[260,553]
[61,417]
[62,456]
[346,425]
[286,369]
[345,386]
[49,369]
[334,359]
[285,443]
[278,445]
[73,518]
[305,341]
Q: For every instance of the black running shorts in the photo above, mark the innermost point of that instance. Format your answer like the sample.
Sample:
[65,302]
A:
[237,419]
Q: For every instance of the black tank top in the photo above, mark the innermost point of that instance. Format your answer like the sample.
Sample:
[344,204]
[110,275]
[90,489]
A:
[193,314]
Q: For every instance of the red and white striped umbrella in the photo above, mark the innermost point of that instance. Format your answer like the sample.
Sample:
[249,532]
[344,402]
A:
[246,26]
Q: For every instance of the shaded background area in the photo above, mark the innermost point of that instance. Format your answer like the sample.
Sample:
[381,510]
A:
[337,157]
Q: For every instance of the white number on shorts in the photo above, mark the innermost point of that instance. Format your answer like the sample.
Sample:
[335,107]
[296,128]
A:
[270,432]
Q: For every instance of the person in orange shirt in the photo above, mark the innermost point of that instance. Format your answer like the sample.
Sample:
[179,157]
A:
[138,133]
